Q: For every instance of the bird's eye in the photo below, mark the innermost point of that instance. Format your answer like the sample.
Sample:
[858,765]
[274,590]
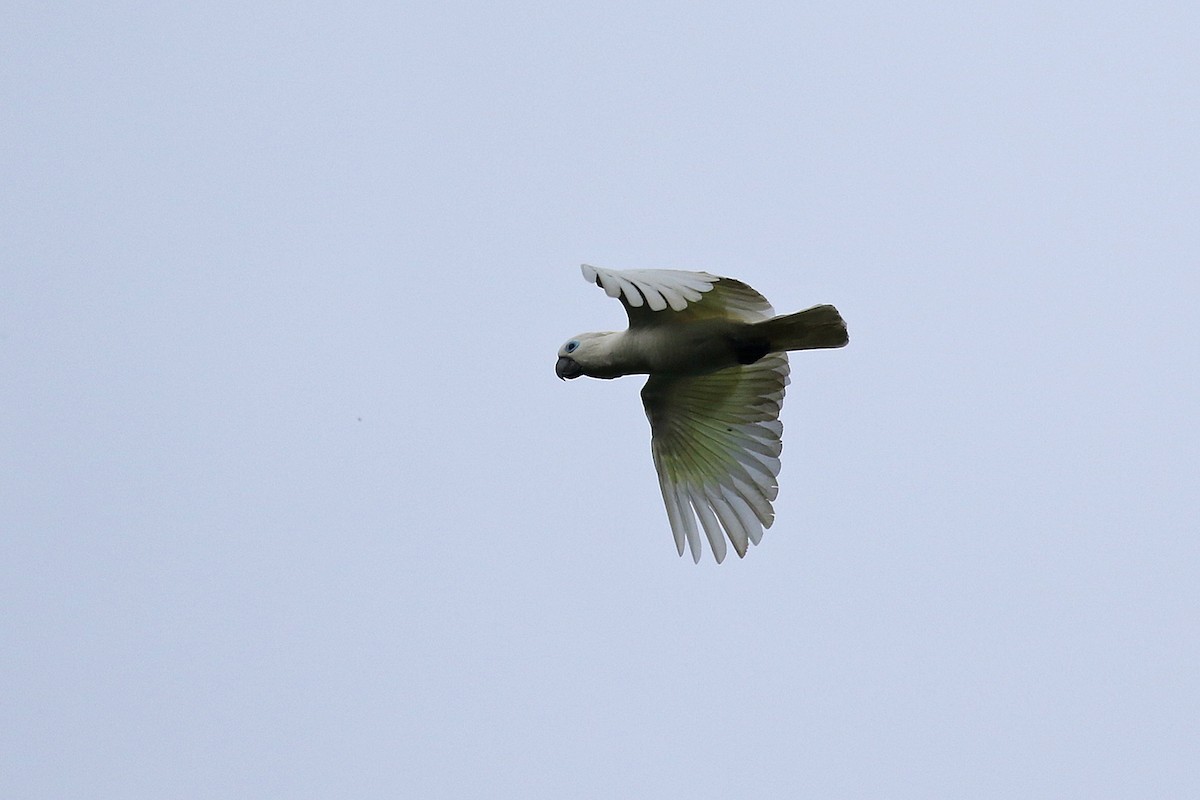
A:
[572,346]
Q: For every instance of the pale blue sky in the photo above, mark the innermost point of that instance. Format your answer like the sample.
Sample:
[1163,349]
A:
[292,504]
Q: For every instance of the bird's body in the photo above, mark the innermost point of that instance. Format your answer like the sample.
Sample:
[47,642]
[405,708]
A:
[703,346]
[716,357]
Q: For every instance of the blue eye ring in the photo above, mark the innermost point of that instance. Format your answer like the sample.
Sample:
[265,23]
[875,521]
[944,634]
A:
[572,346]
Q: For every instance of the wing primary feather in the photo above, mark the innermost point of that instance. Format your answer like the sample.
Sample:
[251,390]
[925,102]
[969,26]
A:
[660,289]
[653,294]
[689,530]
[675,298]
[700,502]
[712,528]
[769,463]
[689,518]
[612,287]
[754,496]
[674,513]
[630,290]
[746,516]
[729,521]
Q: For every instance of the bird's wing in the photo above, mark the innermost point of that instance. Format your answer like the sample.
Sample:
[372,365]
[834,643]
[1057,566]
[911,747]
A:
[716,445]
[679,295]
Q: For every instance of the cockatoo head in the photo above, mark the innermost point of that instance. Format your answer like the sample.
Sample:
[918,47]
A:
[585,354]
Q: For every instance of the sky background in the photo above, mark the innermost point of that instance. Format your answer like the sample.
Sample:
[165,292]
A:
[293,505]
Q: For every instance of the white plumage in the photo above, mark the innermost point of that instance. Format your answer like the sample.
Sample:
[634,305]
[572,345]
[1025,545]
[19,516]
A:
[717,362]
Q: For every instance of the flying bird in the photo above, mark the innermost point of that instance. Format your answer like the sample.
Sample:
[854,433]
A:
[717,359]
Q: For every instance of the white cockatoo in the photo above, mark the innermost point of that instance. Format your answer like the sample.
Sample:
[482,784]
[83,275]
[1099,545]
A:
[716,355]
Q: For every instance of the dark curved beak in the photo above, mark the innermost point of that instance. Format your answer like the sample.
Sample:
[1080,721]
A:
[567,368]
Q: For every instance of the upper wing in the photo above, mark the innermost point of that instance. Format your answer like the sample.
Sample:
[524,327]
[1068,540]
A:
[688,295]
[716,445]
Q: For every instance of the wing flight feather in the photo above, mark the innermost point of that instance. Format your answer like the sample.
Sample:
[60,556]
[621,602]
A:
[689,295]
[716,445]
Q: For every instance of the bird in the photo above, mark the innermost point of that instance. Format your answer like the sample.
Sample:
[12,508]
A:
[716,357]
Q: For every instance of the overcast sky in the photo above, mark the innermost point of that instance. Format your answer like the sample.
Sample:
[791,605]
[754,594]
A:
[292,503]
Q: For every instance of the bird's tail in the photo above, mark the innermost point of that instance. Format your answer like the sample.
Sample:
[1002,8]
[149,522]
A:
[812,329]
